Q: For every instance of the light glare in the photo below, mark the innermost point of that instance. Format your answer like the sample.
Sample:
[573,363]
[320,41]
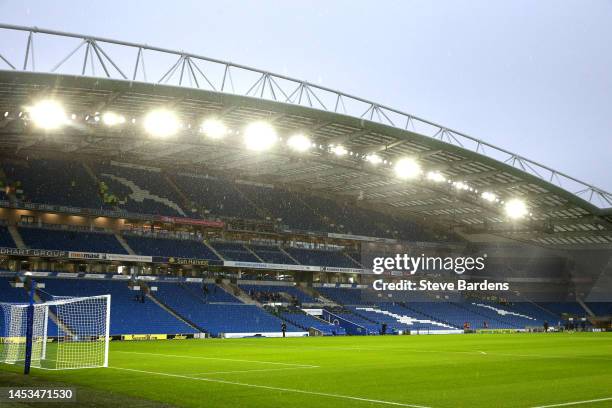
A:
[259,136]
[339,150]
[460,185]
[436,177]
[490,197]
[407,169]
[299,142]
[112,119]
[515,209]
[213,128]
[47,114]
[161,123]
[374,158]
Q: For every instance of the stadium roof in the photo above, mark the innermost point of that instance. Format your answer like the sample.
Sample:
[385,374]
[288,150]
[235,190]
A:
[564,211]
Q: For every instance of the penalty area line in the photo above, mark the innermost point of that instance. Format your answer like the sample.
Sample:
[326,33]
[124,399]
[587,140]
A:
[220,359]
[567,404]
[272,388]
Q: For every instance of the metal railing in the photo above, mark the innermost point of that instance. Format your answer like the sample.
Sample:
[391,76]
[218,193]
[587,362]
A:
[180,68]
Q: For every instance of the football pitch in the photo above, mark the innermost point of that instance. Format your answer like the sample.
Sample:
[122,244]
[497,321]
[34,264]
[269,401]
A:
[499,370]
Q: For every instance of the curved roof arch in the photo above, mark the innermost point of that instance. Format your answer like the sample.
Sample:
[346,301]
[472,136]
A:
[574,213]
[197,71]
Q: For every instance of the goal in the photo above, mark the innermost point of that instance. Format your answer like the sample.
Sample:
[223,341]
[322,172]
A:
[67,333]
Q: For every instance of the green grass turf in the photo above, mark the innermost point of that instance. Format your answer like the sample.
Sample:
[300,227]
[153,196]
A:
[516,370]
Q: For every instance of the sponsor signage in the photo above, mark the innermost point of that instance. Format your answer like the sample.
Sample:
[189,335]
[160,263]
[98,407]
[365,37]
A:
[85,255]
[129,258]
[144,337]
[361,238]
[46,253]
[261,265]
[192,221]
[109,257]
[341,270]
[188,261]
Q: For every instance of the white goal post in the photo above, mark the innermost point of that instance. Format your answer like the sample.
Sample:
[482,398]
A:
[67,333]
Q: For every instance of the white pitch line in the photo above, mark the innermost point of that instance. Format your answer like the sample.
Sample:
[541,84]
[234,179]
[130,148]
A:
[253,371]
[220,359]
[567,404]
[267,387]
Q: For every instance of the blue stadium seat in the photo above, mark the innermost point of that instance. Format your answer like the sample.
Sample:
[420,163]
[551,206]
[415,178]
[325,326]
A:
[291,291]
[271,254]
[185,248]
[318,257]
[69,240]
[306,322]
[6,240]
[219,318]
[234,252]
[216,196]
[128,316]
[141,191]
[58,182]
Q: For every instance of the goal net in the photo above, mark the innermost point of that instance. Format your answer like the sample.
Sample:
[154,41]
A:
[67,333]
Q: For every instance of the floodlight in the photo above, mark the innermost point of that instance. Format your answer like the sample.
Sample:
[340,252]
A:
[161,123]
[515,209]
[214,128]
[47,114]
[488,196]
[374,158]
[339,150]
[460,185]
[112,119]
[299,142]
[407,169]
[436,177]
[259,136]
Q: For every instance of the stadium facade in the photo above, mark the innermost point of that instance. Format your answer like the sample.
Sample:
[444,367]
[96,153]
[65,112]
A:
[224,200]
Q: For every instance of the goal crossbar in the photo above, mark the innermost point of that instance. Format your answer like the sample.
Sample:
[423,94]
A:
[67,333]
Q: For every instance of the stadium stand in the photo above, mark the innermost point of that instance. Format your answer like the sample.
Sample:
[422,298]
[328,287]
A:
[600,308]
[10,294]
[398,319]
[208,292]
[271,254]
[70,240]
[128,314]
[343,296]
[216,196]
[457,314]
[534,310]
[284,206]
[320,257]
[234,252]
[139,190]
[57,182]
[560,308]
[6,240]
[307,322]
[219,318]
[348,319]
[284,293]
[153,246]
